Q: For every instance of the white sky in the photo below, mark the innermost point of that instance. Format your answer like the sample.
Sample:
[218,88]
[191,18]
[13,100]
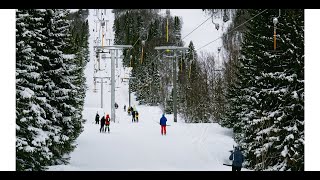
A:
[206,33]
[206,38]
[7,90]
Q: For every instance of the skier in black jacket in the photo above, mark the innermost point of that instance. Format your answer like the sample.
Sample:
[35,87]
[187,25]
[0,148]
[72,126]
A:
[97,118]
[237,159]
[102,122]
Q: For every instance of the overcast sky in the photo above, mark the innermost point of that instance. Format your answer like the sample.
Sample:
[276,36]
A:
[206,33]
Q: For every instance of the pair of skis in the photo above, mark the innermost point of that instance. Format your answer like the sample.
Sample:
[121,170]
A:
[227,164]
[230,152]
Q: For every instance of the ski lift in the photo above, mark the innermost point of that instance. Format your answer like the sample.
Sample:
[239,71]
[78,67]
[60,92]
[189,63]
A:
[143,42]
[216,24]
[167,25]
[275,22]
[97,40]
[103,23]
[178,37]
[167,12]
[225,16]
[130,60]
[94,83]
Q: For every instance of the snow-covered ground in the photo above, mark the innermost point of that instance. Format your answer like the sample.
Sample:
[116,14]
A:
[140,146]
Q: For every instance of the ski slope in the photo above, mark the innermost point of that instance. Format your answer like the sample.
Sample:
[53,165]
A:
[140,146]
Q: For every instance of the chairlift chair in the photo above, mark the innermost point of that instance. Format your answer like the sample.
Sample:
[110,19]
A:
[143,42]
[104,56]
[275,21]
[225,17]
[168,12]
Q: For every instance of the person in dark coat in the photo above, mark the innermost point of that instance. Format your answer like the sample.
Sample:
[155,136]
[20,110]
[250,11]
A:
[102,122]
[97,118]
[237,159]
[163,123]
[137,116]
[129,112]
[133,113]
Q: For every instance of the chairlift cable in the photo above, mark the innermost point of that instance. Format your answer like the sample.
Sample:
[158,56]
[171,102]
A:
[232,30]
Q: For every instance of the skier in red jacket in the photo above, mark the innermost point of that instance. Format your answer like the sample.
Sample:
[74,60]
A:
[107,123]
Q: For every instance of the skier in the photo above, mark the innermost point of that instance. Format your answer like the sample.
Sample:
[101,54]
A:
[129,111]
[137,116]
[133,113]
[102,122]
[237,158]
[163,123]
[124,108]
[107,123]
[97,118]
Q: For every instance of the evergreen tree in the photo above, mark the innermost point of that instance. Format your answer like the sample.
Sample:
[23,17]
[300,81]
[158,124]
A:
[60,91]
[232,40]
[267,98]
[218,98]
[289,117]
[197,92]
[50,87]
[33,127]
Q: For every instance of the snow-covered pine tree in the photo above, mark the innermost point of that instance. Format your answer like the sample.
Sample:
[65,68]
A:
[244,101]
[290,92]
[191,57]
[33,128]
[60,91]
[80,49]
[232,40]
[195,108]
[78,44]
[182,83]
[230,118]
[219,99]
[50,88]
[268,96]
[154,35]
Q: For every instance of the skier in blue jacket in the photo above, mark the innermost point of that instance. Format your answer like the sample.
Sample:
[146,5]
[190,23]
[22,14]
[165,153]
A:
[163,123]
[237,158]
